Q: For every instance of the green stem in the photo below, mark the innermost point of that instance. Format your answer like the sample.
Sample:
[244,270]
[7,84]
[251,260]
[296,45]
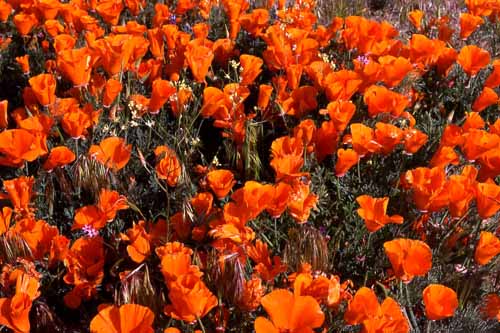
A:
[384,289]
[201,324]
[410,311]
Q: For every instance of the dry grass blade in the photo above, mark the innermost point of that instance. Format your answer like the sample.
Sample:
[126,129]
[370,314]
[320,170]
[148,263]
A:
[90,176]
[13,247]
[306,245]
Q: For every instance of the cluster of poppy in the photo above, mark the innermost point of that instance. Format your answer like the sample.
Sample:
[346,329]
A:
[90,56]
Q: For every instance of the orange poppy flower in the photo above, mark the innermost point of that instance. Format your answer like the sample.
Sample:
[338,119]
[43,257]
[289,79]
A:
[346,159]
[38,234]
[53,27]
[493,79]
[306,132]
[97,84]
[172,330]
[477,142]
[84,269]
[487,98]
[127,318]
[252,294]
[278,204]
[110,10]
[444,156]
[444,30]
[326,140]
[373,212]
[5,217]
[413,140]
[487,199]
[266,268]
[200,30]
[365,309]
[249,201]
[251,68]
[234,9]
[415,17]
[176,262]
[487,248]
[394,70]
[110,202]
[340,112]
[20,145]
[363,139]
[461,191]
[40,124]
[490,164]
[223,49]
[59,248]
[424,50]
[408,258]
[215,104]
[58,157]
[293,75]
[112,152]
[452,136]
[480,7]
[76,121]
[191,299]
[179,101]
[469,23]
[472,131]
[14,312]
[289,312]
[5,11]
[111,90]
[24,63]
[287,157]
[26,282]
[255,22]
[301,201]
[472,59]
[49,8]
[116,51]
[473,122]
[139,248]
[301,101]
[75,65]
[168,167]
[162,90]
[382,100]
[325,290]
[491,307]
[199,58]
[25,22]
[440,302]
[221,182]
[341,85]
[265,92]
[388,136]
[20,191]
[64,42]
[162,14]
[429,188]
[317,72]
[89,216]
[4,121]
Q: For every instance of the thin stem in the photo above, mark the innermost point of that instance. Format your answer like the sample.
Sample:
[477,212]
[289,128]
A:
[410,311]
[201,324]
[384,289]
